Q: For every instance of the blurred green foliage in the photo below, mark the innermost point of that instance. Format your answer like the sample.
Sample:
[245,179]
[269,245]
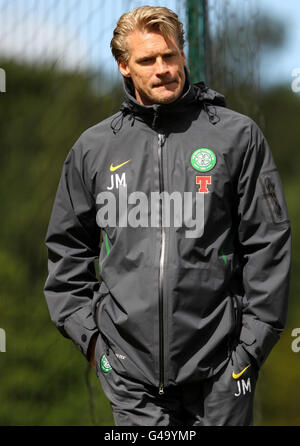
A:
[43,375]
[44,378]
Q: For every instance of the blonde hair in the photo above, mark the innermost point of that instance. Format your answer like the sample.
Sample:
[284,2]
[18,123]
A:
[145,18]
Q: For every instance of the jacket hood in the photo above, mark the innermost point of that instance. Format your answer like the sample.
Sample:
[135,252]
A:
[192,93]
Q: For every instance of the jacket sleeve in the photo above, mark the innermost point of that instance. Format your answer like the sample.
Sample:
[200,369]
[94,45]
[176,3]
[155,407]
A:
[72,240]
[264,238]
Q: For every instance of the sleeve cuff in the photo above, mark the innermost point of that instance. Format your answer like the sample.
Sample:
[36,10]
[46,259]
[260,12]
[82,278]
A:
[80,327]
[258,338]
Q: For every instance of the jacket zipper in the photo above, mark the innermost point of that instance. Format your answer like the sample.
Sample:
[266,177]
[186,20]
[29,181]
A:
[271,189]
[161,141]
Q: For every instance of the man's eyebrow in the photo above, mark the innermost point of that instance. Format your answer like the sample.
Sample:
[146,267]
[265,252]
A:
[144,58]
[152,56]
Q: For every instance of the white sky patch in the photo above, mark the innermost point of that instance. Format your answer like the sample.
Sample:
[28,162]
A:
[77,33]
[277,66]
[35,39]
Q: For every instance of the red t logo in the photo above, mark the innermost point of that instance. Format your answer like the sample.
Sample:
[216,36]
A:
[203,181]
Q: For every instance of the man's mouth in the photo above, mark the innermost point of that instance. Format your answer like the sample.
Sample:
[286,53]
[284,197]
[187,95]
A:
[164,84]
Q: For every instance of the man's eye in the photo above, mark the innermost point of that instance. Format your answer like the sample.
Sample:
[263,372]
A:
[147,60]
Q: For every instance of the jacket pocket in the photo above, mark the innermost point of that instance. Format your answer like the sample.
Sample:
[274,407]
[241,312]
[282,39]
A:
[236,316]
[97,298]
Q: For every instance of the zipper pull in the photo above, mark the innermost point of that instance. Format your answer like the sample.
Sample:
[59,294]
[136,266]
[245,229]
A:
[161,389]
[271,189]
[161,139]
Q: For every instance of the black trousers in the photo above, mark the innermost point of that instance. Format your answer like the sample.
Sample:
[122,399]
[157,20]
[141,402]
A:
[226,399]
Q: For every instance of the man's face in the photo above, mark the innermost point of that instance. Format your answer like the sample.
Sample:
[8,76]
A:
[155,66]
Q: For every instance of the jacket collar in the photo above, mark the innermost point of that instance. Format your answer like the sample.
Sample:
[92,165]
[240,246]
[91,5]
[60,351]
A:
[133,106]
[197,93]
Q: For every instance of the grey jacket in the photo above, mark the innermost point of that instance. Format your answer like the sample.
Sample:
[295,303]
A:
[173,302]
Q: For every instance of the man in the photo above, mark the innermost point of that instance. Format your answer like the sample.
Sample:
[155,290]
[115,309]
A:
[195,257]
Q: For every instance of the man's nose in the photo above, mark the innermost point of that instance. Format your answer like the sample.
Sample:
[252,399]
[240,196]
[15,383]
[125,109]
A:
[161,67]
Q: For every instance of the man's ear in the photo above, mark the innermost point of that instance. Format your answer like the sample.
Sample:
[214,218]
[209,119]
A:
[183,55]
[124,68]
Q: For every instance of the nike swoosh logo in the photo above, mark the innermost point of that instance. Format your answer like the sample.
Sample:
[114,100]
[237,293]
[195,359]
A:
[113,168]
[236,376]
